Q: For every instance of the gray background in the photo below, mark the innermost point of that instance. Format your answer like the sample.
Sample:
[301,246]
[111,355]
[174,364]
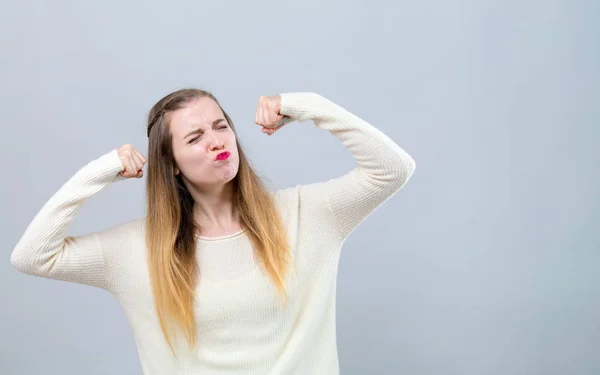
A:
[486,263]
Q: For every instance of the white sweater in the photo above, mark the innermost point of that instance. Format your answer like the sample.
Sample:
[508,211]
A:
[242,328]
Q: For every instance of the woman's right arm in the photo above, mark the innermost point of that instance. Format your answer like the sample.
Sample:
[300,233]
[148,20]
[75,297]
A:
[45,250]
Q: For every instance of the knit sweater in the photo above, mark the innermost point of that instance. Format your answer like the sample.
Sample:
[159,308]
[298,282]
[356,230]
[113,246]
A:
[242,326]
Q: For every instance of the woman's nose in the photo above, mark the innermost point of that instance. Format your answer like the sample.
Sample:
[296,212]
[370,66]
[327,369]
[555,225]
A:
[214,142]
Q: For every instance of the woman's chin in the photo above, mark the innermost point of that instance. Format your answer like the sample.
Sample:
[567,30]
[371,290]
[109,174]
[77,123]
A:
[224,177]
[227,173]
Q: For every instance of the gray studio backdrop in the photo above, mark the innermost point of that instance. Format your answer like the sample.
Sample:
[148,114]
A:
[487,262]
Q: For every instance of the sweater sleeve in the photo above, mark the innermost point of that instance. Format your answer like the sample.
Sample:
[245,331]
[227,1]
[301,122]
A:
[383,167]
[45,250]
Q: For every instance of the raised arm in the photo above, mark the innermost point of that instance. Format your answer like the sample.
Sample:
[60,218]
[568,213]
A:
[45,250]
[383,166]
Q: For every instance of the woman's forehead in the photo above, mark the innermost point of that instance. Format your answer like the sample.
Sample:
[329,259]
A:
[200,113]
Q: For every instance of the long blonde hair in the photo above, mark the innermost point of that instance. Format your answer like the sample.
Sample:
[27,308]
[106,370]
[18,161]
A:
[171,228]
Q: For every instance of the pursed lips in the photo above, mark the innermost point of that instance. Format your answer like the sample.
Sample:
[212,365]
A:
[223,156]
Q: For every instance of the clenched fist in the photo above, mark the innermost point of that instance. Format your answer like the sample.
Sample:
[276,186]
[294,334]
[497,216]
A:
[133,161]
[268,116]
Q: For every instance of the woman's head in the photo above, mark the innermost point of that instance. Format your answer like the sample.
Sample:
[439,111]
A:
[193,134]
[187,130]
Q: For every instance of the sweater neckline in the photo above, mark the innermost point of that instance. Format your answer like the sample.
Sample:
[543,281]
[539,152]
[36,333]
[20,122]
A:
[221,238]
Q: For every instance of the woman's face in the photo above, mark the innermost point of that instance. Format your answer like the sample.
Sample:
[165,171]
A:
[204,145]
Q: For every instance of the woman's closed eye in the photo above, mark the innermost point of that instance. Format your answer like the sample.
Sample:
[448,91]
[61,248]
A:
[195,139]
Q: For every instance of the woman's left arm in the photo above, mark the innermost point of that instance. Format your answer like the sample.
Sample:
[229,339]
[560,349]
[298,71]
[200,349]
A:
[383,167]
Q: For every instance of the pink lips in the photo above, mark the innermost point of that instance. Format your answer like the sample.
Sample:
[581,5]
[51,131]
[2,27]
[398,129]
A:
[223,156]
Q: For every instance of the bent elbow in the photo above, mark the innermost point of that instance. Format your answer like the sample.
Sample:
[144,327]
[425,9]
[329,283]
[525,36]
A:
[24,260]
[18,261]
[402,170]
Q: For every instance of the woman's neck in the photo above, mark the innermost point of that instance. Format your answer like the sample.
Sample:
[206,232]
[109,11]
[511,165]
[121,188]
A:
[214,211]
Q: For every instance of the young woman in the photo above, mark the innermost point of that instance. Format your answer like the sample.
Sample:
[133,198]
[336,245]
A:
[221,276]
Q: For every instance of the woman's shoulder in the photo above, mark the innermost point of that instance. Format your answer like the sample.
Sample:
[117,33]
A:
[126,233]
[302,198]
[314,193]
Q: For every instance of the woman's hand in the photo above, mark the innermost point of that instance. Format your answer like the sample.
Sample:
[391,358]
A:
[133,162]
[268,116]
